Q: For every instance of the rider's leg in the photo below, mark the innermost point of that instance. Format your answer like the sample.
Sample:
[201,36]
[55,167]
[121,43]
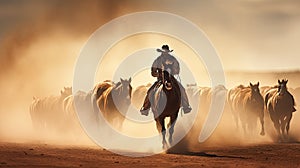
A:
[184,99]
[146,106]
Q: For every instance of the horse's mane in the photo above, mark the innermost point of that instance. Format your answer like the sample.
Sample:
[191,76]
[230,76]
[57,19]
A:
[243,87]
[117,85]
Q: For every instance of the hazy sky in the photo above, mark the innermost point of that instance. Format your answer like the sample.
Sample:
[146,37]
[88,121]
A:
[248,34]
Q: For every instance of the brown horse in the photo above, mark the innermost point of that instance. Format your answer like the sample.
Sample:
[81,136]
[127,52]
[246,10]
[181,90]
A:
[114,99]
[80,102]
[196,96]
[280,105]
[165,102]
[139,94]
[247,104]
[48,113]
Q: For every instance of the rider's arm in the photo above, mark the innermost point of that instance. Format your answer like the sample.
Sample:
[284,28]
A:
[176,68]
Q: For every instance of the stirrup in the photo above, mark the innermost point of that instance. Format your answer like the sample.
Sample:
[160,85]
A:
[144,111]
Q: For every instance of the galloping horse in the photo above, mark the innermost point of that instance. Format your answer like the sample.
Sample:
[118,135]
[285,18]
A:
[165,102]
[247,105]
[113,99]
[280,105]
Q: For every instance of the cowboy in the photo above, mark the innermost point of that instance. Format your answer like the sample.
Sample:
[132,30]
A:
[169,63]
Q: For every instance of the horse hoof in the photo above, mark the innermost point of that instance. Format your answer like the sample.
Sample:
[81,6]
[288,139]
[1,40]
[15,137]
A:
[165,146]
[262,133]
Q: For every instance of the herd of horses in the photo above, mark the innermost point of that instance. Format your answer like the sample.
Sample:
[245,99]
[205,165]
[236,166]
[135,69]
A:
[248,104]
[251,103]
[58,113]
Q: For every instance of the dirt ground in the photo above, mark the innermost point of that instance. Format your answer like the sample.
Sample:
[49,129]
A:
[45,155]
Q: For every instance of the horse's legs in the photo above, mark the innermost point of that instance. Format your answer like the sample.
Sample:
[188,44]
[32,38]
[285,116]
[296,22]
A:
[283,124]
[251,127]
[245,119]
[160,125]
[275,120]
[262,122]
[235,117]
[244,127]
[277,127]
[172,122]
[38,125]
[251,123]
[288,121]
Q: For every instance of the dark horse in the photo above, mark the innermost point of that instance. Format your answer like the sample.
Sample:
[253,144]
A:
[165,102]
[280,105]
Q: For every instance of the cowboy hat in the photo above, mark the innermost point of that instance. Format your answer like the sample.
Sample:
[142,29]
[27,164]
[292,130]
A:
[164,48]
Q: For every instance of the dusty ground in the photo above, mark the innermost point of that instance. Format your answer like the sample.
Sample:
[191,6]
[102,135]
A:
[44,155]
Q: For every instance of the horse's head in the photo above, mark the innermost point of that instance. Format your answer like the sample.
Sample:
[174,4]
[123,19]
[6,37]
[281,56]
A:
[254,88]
[126,89]
[167,80]
[282,89]
[67,91]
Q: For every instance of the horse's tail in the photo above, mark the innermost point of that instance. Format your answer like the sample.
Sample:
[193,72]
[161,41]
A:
[267,99]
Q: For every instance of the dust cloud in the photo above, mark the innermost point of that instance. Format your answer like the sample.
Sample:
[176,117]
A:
[38,57]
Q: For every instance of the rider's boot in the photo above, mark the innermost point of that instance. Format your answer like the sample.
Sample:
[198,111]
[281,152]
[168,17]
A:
[187,109]
[184,101]
[146,106]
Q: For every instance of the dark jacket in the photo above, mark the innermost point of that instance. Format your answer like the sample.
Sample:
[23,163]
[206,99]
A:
[164,62]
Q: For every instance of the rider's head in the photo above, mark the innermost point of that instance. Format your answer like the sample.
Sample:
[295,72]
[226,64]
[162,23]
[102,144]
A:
[164,49]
